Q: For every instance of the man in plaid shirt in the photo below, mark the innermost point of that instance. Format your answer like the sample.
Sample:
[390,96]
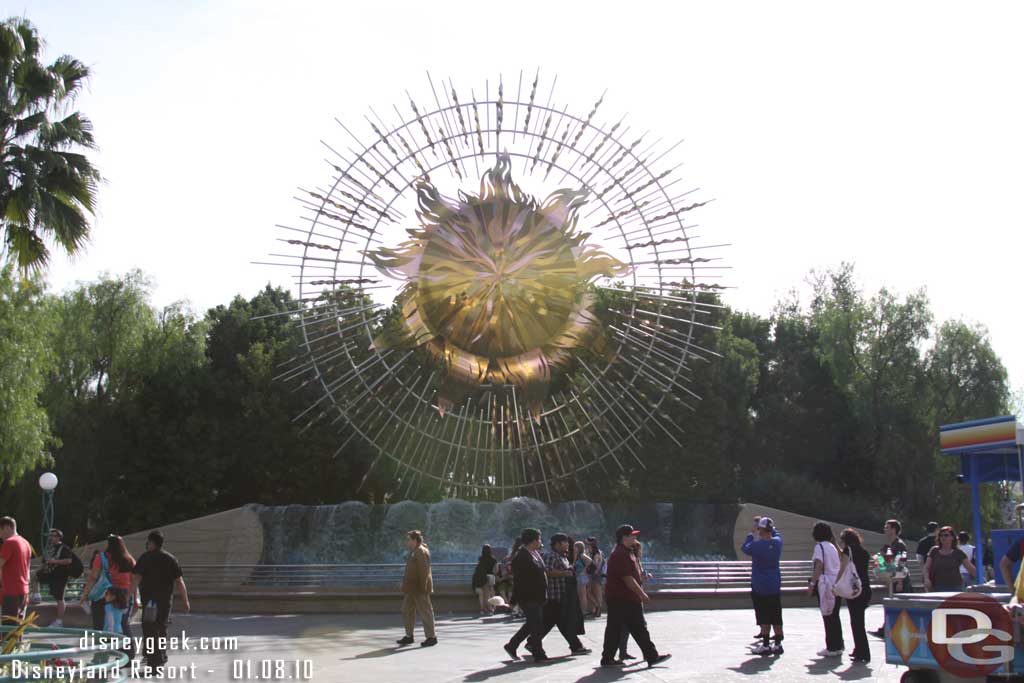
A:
[562,608]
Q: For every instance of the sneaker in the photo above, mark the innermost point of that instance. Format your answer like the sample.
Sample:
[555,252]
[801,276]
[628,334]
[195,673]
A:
[542,657]
[658,660]
[35,598]
[611,662]
[777,649]
[429,642]
[626,656]
[581,651]
[830,653]
[407,640]
[762,649]
[511,651]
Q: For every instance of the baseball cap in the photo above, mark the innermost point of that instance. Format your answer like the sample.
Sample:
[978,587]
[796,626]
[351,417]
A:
[765,522]
[625,530]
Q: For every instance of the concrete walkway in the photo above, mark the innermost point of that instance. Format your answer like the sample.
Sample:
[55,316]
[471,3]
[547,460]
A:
[707,646]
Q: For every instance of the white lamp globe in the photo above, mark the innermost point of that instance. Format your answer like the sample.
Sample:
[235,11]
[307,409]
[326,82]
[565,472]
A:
[48,481]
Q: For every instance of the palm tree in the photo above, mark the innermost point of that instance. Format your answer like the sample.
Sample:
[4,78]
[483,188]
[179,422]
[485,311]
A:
[47,186]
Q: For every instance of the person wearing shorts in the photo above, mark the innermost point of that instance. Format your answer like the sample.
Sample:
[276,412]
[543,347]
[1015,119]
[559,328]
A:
[764,545]
[54,573]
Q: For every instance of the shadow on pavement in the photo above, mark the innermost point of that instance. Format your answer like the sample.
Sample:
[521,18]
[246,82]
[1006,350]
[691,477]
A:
[382,652]
[754,665]
[824,665]
[606,674]
[856,672]
[510,667]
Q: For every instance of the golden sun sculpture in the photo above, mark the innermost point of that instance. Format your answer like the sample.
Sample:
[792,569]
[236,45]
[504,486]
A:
[496,286]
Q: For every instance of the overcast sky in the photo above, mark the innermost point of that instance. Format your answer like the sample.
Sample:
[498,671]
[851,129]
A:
[886,134]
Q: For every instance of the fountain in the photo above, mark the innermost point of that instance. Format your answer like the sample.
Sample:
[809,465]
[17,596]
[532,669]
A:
[354,532]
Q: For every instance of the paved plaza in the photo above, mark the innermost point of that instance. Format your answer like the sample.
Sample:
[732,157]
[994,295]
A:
[709,646]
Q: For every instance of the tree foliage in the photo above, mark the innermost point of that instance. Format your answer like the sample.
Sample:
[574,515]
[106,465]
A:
[150,416]
[25,436]
[47,184]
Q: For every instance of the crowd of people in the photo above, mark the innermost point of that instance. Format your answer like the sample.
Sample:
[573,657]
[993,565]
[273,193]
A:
[557,588]
[841,570]
[116,584]
[572,579]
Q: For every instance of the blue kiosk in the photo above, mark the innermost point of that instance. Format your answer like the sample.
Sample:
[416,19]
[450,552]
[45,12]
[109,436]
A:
[989,450]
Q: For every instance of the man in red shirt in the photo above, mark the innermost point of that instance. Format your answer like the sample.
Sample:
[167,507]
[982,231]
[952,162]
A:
[15,555]
[626,598]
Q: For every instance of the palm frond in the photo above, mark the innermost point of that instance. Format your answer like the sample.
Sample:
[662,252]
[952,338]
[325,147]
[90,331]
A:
[73,129]
[26,248]
[64,219]
[34,87]
[29,124]
[29,36]
[72,75]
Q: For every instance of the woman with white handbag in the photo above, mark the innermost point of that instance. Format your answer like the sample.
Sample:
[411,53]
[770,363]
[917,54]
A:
[825,574]
[858,590]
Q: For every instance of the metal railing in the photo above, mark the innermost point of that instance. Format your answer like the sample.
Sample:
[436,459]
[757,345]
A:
[709,575]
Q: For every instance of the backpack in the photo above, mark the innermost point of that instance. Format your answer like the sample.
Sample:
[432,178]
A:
[75,569]
[847,583]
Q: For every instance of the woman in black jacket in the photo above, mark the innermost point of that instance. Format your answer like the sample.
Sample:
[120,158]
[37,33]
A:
[483,576]
[853,547]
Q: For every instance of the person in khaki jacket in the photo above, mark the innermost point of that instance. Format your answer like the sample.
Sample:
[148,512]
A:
[417,585]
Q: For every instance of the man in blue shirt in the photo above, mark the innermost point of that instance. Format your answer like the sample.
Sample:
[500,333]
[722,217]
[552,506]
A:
[764,545]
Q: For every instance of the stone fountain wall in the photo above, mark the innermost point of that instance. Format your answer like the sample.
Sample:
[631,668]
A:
[355,532]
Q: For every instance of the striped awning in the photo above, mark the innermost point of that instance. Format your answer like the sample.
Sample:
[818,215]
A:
[994,434]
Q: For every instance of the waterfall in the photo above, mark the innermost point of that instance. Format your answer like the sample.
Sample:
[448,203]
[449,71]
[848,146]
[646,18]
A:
[455,530]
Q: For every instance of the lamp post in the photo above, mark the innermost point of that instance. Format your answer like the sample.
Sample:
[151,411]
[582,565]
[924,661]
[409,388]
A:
[47,482]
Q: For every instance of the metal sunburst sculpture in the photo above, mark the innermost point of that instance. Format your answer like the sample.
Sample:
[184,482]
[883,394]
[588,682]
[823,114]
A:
[483,359]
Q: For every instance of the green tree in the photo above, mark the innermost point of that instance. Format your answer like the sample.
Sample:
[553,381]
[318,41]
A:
[47,185]
[266,455]
[25,437]
[967,381]
[873,348]
[98,335]
[101,327]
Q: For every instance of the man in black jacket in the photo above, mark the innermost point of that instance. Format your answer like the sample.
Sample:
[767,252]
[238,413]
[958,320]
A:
[529,591]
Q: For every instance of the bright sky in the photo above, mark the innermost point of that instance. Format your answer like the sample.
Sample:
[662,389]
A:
[887,134]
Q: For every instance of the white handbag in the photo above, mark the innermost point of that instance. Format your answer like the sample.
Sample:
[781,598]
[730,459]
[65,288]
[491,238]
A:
[847,583]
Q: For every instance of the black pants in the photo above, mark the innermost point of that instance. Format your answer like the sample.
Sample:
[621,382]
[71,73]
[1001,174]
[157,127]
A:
[834,629]
[552,618]
[155,634]
[860,636]
[98,610]
[624,640]
[628,614]
[533,629]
